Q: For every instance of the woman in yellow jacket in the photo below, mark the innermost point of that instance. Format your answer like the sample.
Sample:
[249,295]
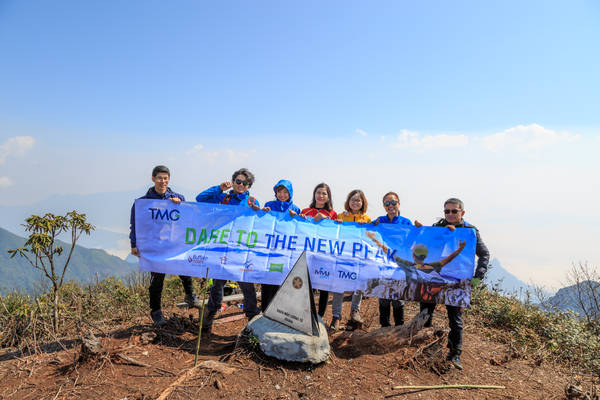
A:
[356,208]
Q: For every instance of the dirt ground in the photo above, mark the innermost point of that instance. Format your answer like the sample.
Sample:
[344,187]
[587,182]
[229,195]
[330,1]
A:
[139,362]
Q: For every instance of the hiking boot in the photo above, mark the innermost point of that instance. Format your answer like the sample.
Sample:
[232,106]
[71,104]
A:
[455,360]
[355,317]
[208,318]
[335,324]
[157,318]
[192,300]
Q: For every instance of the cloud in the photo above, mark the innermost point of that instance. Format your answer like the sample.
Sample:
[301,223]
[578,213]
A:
[526,138]
[200,153]
[16,147]
[195,150]
[5,182]
[238,156]
[361,132]
[412,139]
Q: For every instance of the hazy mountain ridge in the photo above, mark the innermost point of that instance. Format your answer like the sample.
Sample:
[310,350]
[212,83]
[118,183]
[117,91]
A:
[109,212]
[86,264]
[567,298]
[498,277]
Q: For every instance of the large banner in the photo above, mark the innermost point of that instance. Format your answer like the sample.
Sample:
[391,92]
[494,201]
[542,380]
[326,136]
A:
[236,243]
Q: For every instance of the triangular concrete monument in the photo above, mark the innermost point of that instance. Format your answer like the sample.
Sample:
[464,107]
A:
[293,304]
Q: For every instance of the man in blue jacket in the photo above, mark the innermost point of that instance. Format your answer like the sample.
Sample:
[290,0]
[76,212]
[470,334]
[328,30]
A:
[161,190]
[241,181]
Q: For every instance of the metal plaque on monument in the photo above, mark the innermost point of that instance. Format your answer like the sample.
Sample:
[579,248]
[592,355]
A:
[293,304]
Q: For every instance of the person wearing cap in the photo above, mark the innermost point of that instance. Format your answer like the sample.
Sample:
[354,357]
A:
[161,191]
[453,218]
[418,273]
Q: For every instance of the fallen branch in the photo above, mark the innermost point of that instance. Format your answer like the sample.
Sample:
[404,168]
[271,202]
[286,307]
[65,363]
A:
[208,364]
[388,339]
[132,361]
[448,387]
[165,393]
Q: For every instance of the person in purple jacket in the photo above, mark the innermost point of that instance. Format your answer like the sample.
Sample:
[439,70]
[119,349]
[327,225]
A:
[391,204]
[161,190]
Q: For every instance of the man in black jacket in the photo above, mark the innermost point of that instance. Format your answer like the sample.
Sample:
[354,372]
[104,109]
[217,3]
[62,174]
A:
[453,218]
[161,190]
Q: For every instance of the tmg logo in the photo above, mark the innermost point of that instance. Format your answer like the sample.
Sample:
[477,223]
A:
[164,215]
[347,275]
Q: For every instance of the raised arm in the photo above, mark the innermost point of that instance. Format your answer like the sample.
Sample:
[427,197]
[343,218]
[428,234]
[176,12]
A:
[398,260]
[210,195]
[371,236]
[452,256]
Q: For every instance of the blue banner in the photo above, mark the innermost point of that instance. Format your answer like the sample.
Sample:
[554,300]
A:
[236,243]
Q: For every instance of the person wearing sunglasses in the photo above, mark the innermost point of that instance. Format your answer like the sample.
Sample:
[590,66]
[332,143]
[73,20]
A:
[241,182]
[453,218]
[234,192]
[391,204]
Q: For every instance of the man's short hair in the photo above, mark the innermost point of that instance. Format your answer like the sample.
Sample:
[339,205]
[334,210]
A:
[160,168]
[244,171]
[454,200]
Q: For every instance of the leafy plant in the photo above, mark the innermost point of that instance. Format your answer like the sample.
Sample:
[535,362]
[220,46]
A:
[41,250]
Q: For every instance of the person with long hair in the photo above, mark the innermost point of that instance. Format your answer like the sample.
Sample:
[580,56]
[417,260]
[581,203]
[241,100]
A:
[355,211]
[321,207]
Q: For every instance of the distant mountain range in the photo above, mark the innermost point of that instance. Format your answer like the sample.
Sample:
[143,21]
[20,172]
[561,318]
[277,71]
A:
[108,212]
[86,265]
[498,277]
[568,298]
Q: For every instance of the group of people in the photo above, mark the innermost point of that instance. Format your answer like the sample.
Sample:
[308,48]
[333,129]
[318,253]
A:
[236,193]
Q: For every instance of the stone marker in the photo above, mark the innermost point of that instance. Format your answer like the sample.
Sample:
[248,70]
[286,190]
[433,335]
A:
[290,328]
[293,304]
[285,343]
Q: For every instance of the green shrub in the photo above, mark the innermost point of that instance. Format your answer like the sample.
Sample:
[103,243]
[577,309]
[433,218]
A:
[560,335]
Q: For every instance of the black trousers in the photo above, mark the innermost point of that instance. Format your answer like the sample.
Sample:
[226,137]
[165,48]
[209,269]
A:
[156,286]
[455,322]
[267,292]
[384,312]
[323,300]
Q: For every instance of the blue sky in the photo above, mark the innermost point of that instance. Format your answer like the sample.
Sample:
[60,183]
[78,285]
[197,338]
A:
[494,102]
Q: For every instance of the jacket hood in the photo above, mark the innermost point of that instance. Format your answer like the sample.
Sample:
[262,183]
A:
[288,185]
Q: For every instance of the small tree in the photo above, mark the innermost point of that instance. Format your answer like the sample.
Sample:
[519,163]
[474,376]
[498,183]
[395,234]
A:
[586,280]
[40,249]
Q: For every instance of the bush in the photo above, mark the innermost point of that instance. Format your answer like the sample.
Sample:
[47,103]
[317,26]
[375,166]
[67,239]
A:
[560,335]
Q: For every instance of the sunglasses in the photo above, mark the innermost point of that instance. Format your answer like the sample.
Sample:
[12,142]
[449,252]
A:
[455,211]
[241,182]
[390,203]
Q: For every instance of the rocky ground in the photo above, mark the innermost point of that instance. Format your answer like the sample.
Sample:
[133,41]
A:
[135,361]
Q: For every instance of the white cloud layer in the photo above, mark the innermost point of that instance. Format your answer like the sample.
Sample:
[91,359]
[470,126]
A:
[211,157]
[361,132]
[195,149]
[5,182]
[407,139]
[16,147]
[526,138]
